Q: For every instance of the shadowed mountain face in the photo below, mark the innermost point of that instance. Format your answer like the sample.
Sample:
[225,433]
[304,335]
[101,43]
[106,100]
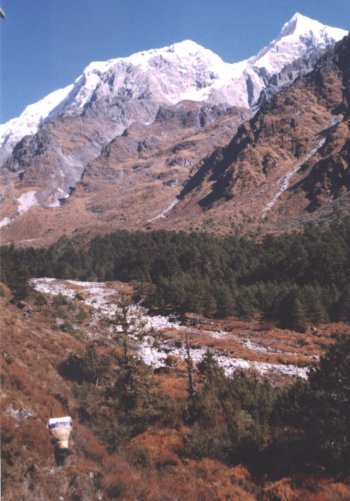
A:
[195,166]
[289,160]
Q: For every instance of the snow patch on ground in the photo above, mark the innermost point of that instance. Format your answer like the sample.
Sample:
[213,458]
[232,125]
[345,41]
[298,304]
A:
[284,181]
[216,334]
[5,222]
[259,348]
[26,201]
[156,355]
[103,299]
[165,212]
[21,413]
[153,350]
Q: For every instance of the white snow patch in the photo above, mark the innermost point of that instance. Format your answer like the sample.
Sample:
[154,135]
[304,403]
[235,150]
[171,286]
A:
[259,348]
[155,355]
[165,212]
[26,201]
[101,298]
[152,350]
[284,181]
[217,334]
[5,222]
[230,365]
[150,354]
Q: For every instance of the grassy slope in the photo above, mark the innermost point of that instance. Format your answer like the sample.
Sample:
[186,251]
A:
[31,352]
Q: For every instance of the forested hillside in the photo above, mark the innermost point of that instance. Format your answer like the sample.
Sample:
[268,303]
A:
[295,279]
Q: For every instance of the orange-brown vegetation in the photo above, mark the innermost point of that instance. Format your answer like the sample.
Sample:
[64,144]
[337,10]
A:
[286,490]
[152,466]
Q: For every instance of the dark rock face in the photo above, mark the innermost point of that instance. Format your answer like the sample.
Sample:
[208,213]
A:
[287,76]
[190,114]
[26,149]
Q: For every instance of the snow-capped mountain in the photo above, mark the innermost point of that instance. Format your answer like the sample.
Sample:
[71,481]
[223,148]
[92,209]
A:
[183,71]
[197,166]
[300,36]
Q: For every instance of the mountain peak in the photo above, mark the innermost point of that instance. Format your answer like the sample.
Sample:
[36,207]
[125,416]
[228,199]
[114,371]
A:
[299,24]
[182,49]
[300,35]
[302,25]
[185,45]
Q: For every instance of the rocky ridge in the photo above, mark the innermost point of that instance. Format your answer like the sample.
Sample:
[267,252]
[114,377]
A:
[184,166]
[292,157]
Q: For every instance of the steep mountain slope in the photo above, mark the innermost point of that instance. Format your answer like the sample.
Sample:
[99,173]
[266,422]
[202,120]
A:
[289,160]
[78,163]
[134,179]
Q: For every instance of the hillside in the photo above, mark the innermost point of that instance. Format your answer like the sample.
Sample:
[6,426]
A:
[156,462]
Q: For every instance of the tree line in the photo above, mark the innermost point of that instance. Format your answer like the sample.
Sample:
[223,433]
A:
[296,279]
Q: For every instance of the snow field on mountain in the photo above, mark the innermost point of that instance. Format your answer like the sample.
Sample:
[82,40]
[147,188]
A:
[182,71]
[165,212]
[32,117]
[26,201]
[5,221]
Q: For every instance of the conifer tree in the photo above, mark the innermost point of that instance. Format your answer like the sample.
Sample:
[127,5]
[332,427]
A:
[190,367]
[320,408]
[127,324]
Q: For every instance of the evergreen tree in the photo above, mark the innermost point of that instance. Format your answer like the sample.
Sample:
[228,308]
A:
[134,398]
[320,408]
[343,309]
[314,308]
[190,367]
[225,302]
[210,370]
[127,324]
[291,312]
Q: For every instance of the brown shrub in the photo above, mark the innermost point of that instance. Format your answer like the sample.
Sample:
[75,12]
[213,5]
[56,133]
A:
[161,444]
[279,491]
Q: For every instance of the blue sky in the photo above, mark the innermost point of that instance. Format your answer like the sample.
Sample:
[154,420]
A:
[45,44]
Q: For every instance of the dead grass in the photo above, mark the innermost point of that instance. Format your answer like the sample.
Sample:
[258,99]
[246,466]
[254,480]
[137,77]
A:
[174,384]
[162,445]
